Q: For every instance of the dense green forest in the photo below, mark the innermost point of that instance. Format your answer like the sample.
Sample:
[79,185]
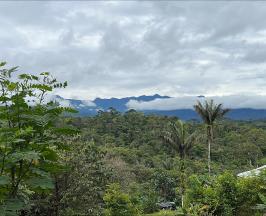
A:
[122,164]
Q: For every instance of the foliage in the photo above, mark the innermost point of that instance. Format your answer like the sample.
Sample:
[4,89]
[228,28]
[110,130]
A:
[145,196]
[137,155]
[222,195]
[165,183]
[85,182]
[179,139]
[261,206]
[28,137]
[118,203]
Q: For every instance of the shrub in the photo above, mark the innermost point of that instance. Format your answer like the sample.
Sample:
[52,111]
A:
[118,203]
[223,195]
[30,137]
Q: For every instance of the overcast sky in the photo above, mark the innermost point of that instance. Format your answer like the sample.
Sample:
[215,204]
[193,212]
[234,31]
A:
[117,49]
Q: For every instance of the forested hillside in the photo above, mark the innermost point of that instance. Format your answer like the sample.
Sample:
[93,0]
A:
[122,164]
[129,150]
[137,138]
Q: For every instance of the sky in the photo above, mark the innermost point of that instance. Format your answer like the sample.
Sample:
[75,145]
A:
[117,49]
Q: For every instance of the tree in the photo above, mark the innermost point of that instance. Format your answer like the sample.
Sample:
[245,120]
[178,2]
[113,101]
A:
[118,203]
[164,183]
[28,137]
[83,185]
[179,139]
[209,113]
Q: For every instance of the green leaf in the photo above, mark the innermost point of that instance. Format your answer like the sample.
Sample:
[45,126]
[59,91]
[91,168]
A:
[34,77]
[42,87]
[12,86]
[11,70]
[263,198]
[65,84]
[40,172]
[53,167]
[50,154]
[24,76]
[11,207]
[43,183]
[4,180]
[45,74]
[27,156]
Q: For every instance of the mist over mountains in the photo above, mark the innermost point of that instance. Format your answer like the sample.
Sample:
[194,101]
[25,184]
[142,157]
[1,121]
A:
[182,107]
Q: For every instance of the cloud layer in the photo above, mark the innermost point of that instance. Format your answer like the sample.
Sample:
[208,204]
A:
[232,102]
[116,49]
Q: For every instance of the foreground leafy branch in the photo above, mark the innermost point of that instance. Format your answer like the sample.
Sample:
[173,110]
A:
[28,138]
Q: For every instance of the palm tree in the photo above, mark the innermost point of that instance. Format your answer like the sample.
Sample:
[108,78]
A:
[209,112]
[178,137]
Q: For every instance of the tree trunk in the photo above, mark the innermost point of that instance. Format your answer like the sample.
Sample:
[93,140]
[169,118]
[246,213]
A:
[57,199]
[182,181]
[210,140]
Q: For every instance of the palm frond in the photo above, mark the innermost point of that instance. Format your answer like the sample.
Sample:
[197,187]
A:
[176,136]
[202,111]
[209,111]
[225,111]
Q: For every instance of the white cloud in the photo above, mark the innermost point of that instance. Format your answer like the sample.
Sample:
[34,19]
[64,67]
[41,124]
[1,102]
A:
[64,103]
[88,103]
[163,104]
[187,102]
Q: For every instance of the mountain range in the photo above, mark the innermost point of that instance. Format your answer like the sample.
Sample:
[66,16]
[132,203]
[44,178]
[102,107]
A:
[91,108]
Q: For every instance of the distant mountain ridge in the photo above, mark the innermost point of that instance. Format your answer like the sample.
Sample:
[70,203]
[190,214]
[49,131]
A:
[91,108]
[120,103]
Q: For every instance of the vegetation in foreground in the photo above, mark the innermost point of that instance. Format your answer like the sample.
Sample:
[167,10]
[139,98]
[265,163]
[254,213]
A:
[52,163]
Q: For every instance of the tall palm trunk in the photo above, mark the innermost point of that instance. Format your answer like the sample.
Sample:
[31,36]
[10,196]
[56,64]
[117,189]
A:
[210,140]
[182,188]
[182,142]
[209,112]
[182,200]
[182,179]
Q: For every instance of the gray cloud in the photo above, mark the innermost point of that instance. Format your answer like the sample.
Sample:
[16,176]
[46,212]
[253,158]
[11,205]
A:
[118,49]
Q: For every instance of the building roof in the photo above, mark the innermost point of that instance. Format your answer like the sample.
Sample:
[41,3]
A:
[253,172]
[166,204]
